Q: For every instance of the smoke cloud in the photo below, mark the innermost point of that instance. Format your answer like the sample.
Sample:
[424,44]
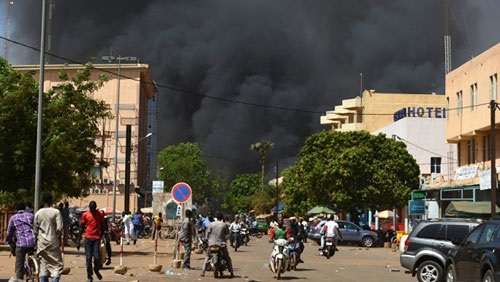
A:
[292,53]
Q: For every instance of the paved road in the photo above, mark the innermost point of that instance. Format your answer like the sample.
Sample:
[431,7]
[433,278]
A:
[351,263]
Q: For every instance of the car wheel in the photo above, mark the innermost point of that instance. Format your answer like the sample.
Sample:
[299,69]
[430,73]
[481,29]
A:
[450,274]
[429,271]
[488,277]
[367,241]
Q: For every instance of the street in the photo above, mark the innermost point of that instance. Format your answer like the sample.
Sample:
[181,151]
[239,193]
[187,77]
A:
[351,263]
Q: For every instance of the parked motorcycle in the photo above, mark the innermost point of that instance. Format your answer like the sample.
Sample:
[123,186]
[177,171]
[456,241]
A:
[245,235]
[329,247]
[279,260]
[114,230]
[216,261]
[75,231]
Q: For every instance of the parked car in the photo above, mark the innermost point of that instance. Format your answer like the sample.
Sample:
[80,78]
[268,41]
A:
[351,233]
[478,256]
[427,246]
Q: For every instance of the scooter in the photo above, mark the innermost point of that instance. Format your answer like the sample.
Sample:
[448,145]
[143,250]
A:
[279,260]
[293,252]
[216,261]
[329,247]
[245,235]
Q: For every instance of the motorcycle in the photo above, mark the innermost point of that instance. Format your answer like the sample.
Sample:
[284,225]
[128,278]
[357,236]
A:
[329,247]
[115,233]
[236,240]
[74,230]
[279,260]
[245,236]
[293,253]
[216,261]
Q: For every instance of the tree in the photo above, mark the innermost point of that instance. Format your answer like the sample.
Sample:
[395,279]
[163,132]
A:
[349,171]
[262,148]
[70,119]
[241,190]
[183,162]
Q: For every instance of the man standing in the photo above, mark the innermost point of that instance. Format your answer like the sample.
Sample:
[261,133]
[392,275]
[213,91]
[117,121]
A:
[186,238]
[157,222]
[66,221]
[92,221]
[217,233]
[48,228]
[21,225]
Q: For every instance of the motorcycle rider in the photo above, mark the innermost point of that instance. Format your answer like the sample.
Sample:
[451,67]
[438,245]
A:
[330,229]
[294,230]
[235,229]
[216,234]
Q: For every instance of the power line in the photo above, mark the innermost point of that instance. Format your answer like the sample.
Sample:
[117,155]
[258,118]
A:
[177,89]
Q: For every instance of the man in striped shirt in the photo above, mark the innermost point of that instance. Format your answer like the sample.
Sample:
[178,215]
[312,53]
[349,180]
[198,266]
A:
[20,233]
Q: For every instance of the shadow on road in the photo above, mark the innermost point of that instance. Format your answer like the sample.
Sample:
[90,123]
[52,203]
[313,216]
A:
[304,269]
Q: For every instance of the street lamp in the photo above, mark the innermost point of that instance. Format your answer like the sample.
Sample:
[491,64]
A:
[119,59]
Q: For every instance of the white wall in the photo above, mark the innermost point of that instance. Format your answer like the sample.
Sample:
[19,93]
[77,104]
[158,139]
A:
[425,139]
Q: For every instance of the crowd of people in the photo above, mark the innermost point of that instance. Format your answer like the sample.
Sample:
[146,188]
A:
[46,232]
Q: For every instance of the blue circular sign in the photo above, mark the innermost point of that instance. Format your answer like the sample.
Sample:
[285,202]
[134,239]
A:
[181,192]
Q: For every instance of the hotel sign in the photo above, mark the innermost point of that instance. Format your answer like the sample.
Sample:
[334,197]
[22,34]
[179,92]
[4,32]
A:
[427,112]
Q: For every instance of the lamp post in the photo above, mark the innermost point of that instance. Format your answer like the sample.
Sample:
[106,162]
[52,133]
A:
[38,169]
[118,59]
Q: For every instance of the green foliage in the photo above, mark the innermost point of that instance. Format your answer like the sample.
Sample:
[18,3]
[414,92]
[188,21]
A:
[241,191]
[350,170]
[183,162]
[70,126]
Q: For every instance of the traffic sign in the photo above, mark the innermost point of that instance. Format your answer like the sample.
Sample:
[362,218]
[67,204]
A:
[417,207]
[418,195]
[158,186]
[181,192]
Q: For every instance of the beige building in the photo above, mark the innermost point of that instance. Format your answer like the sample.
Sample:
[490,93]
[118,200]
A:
[372,110]
[136,89]
[469,89]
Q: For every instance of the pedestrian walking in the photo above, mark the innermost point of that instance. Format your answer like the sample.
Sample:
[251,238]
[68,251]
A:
[186,238]
[20,235]
[66,221]
[92,221]
[128,227]
[138,222]
[157,222]
[48,228]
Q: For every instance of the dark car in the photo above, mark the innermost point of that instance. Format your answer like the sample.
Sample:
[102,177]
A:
[428,244]
[478,256]
[351,233]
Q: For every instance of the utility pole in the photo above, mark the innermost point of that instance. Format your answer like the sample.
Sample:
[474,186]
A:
[9,4]
[128,147]
[117,120]
[277,187]
[38,161]
[493,168]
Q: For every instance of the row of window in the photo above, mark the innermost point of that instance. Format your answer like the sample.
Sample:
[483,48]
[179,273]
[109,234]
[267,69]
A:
[474,94]
[472,149]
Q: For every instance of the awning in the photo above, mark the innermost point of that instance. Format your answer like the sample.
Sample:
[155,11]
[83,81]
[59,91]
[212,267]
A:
[320,210]
[468,209]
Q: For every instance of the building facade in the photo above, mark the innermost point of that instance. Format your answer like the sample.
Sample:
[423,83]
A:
[469,89]
[136,92]
[372,110]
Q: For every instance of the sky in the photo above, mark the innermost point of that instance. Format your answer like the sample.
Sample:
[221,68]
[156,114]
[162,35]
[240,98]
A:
[286,53]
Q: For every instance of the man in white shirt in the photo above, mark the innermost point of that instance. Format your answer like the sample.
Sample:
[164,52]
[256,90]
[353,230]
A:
[330,229]
[234,230]
[48,227]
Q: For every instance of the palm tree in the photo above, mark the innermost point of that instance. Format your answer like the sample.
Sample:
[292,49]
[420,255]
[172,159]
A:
[262,148]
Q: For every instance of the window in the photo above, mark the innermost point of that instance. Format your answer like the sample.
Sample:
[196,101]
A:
[487,235]
[435,165]
[456,233]
[493,86]
[471,151]
[474,236]
[459,103]
[459,154]
[473,96]
[432,231]
[486,148]
[350,226]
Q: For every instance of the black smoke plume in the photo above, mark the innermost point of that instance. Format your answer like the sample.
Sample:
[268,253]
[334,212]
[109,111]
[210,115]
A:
[291,53]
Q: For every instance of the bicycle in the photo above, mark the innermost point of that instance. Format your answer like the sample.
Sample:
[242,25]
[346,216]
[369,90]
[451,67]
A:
[31,267]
